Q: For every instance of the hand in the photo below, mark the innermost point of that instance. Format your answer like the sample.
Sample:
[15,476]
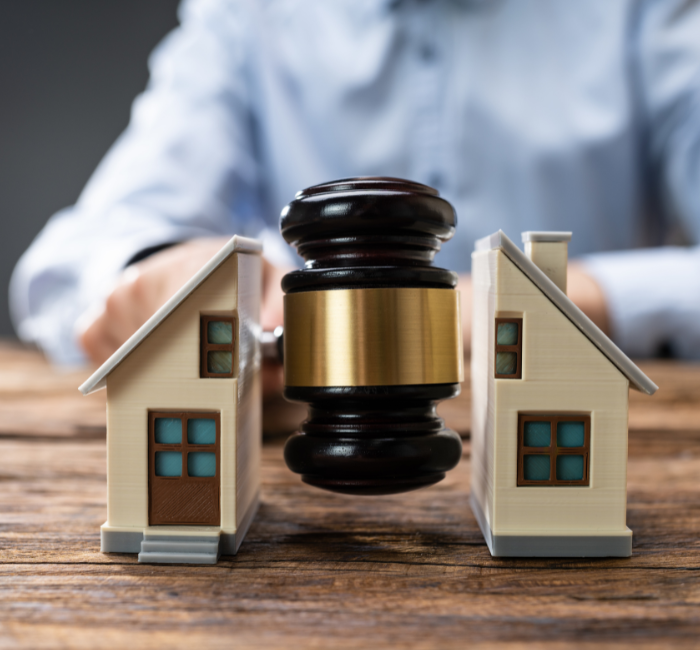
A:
[586,293]
[147,285]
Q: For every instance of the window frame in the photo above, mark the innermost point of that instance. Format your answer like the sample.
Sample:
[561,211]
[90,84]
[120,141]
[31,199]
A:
[205,347]
[554,451]
[518,349]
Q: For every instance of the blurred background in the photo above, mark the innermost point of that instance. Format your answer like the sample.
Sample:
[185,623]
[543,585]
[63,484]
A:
[69,71]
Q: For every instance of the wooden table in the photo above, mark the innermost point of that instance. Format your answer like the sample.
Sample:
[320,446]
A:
[324,570]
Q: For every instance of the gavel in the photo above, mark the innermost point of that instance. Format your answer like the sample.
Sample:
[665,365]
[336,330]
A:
[372,336]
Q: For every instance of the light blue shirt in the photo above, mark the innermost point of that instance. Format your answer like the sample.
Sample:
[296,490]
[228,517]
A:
[525,114]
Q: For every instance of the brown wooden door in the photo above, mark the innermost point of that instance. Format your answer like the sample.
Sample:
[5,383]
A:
[183,468]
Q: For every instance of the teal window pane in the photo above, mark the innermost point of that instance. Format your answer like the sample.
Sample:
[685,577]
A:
[201,463]
[219,332]
[536,467]
[168,431]
[219,362]
[201,431]
[506,363]
[537,434]
[571,434]
[168,463]
[507,334]
[569,468]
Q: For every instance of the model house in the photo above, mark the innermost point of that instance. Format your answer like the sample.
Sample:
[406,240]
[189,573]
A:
[550,402]
[183,418]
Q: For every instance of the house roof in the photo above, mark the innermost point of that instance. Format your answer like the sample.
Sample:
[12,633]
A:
[617,357]
[236,244]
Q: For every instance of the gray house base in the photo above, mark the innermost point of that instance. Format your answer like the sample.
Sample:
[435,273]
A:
[176,549]
[116,541]
[551,546]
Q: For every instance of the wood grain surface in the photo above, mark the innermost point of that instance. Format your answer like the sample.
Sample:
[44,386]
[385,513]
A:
[330,571]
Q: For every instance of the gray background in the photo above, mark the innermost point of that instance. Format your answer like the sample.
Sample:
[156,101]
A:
[69,70]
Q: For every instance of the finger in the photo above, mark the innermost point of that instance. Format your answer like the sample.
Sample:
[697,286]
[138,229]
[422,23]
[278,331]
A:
[96,340]
[120,316]
[125,311]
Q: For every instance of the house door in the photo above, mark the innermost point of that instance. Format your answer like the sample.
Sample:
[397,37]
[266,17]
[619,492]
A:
[183,468]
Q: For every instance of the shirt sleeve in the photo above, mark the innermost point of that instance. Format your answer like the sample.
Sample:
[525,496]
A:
[654,294]
[185,167]
[653,298]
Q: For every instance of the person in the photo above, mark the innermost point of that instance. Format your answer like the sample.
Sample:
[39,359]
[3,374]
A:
[526,115]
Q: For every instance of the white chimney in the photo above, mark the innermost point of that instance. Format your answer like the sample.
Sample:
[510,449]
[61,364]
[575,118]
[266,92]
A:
[550,252]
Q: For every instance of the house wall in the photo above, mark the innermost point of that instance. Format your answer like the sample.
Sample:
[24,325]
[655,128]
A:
[249,413]
[163,373]
[562,372]
[482,369]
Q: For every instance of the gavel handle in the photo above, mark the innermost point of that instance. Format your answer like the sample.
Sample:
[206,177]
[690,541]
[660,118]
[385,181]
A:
[271,345]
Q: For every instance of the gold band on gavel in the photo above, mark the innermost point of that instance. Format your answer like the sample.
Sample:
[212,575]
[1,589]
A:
[372,337]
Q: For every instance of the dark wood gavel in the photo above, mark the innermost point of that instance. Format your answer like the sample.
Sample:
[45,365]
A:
[372,335]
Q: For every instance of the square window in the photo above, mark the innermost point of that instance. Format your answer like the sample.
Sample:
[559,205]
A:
[168,463]
[168,431]
[220,332]
[537,434]
[570,467]
[201,431]
[219,362]
[506,363]
[571,434]
[536,467]
[201,463]
[507,334]
[553,450]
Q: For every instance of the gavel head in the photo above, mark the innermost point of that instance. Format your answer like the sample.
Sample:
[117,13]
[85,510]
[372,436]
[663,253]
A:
[372,337]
